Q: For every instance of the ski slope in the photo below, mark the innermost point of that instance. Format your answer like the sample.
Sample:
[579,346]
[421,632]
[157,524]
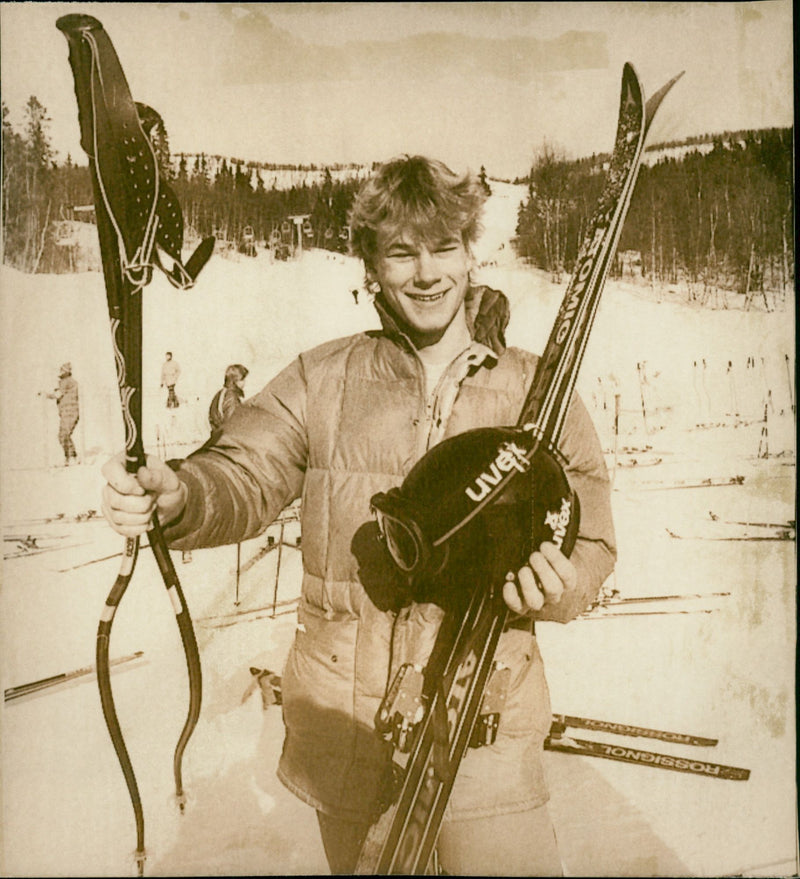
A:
[722,666]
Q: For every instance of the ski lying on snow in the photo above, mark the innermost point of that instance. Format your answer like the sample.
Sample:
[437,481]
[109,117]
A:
[776,534]
[711,482]
[600,614]
[789,523]
[563,721]
[644,599]
[87,516]
[238,614]
[624,754]
[104,558]
[247,618]
[26,551]
[637,462]
[53,681]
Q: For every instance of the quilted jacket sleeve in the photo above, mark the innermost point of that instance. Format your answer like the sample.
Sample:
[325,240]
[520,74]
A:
[255,468]
[595,550]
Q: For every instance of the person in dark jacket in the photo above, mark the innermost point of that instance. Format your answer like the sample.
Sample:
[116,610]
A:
[228,397]
[346,420]
[66,397]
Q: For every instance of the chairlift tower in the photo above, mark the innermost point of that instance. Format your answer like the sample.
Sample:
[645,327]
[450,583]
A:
[299,220]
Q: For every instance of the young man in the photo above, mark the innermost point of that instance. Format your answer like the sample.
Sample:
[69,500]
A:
[349,419]
[66,397]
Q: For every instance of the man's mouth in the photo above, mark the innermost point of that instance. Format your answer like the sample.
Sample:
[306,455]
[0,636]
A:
[427,297]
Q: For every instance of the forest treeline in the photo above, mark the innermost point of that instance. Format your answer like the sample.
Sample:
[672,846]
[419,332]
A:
[42,199]
[229,199]
[721,217]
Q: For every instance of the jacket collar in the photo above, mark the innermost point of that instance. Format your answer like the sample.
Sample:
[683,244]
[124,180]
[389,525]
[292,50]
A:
[487,313]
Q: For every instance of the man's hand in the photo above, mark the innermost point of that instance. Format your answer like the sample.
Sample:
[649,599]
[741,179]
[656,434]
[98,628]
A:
[130,499]
[546,578]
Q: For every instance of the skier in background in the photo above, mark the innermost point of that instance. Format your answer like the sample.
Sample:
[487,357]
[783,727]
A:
[342,422]
[66,397]
[228,398]
[170,373]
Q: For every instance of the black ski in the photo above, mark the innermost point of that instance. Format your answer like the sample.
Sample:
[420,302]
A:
[402,840]
[55,680]
[561,722]
[624,754]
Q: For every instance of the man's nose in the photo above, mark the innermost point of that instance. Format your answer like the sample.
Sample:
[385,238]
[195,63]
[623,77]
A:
[427,272]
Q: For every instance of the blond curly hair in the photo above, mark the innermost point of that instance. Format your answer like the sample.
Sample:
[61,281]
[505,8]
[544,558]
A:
[417,194]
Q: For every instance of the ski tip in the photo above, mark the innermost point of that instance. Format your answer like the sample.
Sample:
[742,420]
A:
[631,81]
[655,101]
[629,70]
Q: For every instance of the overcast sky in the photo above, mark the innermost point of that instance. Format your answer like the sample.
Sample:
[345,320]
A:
[471,83]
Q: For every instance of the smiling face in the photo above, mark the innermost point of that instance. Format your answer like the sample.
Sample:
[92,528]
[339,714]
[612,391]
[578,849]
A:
[424,282]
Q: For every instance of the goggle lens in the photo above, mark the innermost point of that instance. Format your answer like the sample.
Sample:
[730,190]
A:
[400,540]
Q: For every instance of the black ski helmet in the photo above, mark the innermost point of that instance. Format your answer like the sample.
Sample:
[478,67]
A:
[491,490]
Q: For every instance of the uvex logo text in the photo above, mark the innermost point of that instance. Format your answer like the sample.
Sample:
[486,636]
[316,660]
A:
[558,522]
[509,457]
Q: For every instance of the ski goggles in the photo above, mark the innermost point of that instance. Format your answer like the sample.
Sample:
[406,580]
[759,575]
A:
[398,521]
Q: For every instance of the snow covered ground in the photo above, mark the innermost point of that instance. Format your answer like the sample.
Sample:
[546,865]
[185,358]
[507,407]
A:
[720,666]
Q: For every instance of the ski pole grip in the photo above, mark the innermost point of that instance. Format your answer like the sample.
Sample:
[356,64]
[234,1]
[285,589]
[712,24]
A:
[76,23]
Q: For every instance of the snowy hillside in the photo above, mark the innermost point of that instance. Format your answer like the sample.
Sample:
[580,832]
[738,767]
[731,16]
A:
[271,177]
[693,385]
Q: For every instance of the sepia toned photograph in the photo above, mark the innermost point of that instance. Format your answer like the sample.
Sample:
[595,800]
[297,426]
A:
[359,360]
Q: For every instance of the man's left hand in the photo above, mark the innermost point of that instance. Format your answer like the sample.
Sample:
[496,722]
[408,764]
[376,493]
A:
[547,577]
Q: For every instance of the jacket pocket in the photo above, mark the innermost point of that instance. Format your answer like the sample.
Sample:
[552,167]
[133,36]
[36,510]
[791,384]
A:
[321,665]
[527,708]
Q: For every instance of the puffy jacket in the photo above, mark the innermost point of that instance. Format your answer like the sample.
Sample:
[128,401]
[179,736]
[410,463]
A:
[342,422]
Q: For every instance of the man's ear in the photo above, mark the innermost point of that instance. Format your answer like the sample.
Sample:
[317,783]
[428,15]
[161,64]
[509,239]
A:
[371,279]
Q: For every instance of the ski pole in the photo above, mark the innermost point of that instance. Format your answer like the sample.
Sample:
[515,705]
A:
[640,370]
[278,569]
[124,172]
[238,570]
